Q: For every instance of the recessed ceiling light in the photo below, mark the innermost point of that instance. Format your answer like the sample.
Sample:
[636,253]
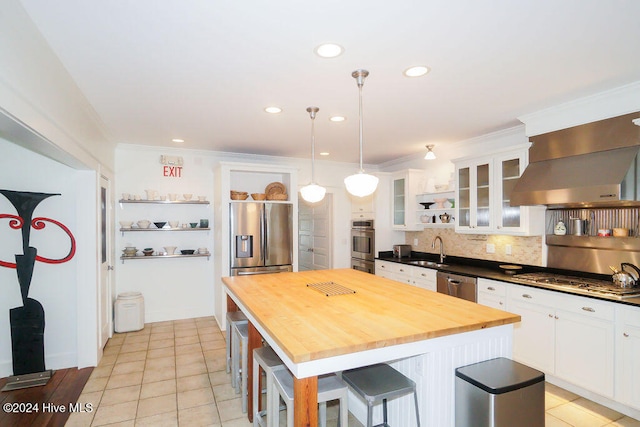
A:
[177,140]
[329,50]
[273,110]
[324,153]
[417,71]
[337,118]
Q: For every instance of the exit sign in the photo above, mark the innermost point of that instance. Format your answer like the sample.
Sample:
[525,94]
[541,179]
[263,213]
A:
[172,171]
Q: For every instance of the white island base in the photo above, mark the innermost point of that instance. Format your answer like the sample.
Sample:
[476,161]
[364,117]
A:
[434,374]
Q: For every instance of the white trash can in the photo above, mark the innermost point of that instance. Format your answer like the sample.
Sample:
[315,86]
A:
[129,312]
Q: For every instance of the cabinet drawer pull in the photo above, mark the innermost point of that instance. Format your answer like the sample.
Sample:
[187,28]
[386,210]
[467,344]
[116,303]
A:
[401,270]
[491,288]
[500,302]
[592,310]
[383,266]
[626,335]
[526,296]
[551,316]
[555,317]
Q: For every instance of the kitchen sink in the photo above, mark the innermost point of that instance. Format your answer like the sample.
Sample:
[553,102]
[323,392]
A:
[422,263]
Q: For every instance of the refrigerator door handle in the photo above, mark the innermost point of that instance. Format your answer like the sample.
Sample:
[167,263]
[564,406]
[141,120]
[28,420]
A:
[263,233]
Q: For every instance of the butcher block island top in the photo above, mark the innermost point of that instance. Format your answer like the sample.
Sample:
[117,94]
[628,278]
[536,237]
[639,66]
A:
[301,313]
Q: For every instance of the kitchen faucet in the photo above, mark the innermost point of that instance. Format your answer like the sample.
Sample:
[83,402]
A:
[433,246]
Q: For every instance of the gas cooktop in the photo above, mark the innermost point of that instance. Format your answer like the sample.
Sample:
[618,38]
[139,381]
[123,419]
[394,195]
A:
[581,285]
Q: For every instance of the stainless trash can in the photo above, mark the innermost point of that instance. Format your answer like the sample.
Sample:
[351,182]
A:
[499,393]
[129,312]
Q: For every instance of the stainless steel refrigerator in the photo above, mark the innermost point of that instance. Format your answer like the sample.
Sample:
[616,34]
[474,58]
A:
[261,238]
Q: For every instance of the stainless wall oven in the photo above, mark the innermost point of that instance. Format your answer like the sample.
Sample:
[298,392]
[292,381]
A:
[363,245]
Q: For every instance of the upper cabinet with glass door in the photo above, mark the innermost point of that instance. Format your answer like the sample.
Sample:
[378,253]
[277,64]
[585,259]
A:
[405,186]
[483,198]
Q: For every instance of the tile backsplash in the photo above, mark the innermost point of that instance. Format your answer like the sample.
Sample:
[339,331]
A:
[524,250]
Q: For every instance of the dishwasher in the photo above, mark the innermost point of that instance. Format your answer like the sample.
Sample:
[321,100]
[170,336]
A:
[457,285]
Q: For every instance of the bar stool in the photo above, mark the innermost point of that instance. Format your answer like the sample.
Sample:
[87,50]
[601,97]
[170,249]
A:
[239,369]
[380,382]
[329,388]
[268,360]
[232,318]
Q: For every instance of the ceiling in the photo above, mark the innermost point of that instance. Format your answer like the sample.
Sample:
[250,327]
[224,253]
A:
[204,70]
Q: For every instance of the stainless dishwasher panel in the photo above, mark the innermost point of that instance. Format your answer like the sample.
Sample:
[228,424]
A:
[456,285]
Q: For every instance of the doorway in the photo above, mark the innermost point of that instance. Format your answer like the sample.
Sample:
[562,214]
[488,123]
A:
[105,326]
[315,241]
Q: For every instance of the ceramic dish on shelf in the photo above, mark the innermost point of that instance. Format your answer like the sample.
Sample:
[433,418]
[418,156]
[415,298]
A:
[258,196]
[147,251]
[427,205]
[160,224]
[440,202]
[143,223]
[275,188]
[187,251]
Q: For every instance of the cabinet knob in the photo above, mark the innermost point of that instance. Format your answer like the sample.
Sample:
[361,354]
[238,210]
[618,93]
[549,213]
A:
[526,296]
[589,309]
[555,317]
[500,302]
[551,316]
[626,335]
[491,288]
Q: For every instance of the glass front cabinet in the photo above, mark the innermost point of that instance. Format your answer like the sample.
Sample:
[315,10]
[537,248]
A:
[483,197]
[405,186]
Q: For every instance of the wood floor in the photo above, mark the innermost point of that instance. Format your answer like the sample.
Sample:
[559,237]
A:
[63,388]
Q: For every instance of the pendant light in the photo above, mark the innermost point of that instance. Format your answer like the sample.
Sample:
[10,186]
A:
[361,184]
[430,154]
[313,193]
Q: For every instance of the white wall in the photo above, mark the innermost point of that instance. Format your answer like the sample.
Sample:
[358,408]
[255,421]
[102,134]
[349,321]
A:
[179,288]
[53,285]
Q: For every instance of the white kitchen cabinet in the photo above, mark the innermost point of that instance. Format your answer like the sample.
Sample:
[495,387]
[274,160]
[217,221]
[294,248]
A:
[584,330]
[492,293]
[417,276]
[405,186]
[393,270]
[484,186]
[363,207]
[565,336]
[534,335]
[627,347]
[424,278]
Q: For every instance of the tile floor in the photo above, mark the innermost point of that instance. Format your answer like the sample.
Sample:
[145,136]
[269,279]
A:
[173,374]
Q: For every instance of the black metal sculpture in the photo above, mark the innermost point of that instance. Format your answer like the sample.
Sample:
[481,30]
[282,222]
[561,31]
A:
[27,322]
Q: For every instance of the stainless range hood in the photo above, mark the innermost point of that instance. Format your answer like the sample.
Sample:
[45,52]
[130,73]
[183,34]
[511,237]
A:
[591,165]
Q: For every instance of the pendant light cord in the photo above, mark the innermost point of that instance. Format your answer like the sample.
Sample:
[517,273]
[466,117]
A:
[312,113]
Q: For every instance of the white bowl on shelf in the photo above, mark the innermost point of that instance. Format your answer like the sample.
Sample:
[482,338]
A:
[174,224]
[143,223]
[170,250]
[126,224]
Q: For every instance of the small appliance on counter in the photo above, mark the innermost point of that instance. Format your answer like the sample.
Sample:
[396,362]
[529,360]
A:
[401,251]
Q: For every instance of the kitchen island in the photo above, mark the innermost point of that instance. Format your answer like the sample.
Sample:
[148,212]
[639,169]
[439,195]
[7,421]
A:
[330,320]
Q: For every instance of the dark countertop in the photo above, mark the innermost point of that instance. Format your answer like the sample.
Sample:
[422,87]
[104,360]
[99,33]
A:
[491,270]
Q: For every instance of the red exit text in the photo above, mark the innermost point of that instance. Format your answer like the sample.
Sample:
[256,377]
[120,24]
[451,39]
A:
[172,171]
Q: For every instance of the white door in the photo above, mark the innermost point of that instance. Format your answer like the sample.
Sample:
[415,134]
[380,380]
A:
[314,234]
[106,265]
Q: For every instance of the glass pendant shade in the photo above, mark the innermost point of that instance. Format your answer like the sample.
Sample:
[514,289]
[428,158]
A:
[361,184]
[313,193]
[430,154]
